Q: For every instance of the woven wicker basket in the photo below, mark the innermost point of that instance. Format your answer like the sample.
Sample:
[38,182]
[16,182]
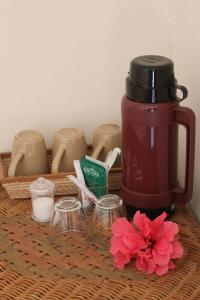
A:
[32,268]
[18,187]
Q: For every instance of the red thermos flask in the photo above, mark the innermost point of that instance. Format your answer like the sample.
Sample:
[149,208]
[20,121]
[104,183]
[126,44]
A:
[150,117]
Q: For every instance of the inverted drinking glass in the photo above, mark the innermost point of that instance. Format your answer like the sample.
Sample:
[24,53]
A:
[68,225]
[107,210]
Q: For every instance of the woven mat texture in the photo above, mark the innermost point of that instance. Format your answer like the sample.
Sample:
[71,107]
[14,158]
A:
[32,269]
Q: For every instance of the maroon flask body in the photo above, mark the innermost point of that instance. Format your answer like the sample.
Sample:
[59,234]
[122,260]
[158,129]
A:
[150,117]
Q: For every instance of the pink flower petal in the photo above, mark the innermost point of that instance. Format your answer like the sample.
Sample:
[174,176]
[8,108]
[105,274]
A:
[160,260]
[145,262]
[120,226]
[178,250]
[161,270]
[172,266]
[121,260]
[143,224]
[170,231]
[163,247]
[140,264]
[160,219]
[146,254]
[158,227]
[151,266]
[117,245]
[134,242]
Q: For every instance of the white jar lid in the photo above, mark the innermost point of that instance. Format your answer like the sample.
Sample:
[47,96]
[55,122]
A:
[42,186]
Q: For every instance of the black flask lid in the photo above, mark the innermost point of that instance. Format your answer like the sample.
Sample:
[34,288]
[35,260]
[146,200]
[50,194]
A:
[151,80]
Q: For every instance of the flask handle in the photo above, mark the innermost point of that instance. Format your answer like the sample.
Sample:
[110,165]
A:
[184,92]
[186,117]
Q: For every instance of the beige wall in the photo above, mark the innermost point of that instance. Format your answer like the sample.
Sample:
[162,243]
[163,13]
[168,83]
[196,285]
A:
[186,54]
[63,62]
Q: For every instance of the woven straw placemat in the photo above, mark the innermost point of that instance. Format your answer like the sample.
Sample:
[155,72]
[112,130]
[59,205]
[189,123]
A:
[33,269]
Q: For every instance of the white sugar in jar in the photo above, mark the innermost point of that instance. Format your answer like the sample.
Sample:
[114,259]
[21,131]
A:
[42,195]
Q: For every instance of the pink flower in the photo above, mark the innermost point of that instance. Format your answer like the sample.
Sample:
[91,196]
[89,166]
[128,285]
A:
[154,243]
[122,259]
[125,242]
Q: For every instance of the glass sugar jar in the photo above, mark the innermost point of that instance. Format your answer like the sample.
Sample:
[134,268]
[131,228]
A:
[42,196]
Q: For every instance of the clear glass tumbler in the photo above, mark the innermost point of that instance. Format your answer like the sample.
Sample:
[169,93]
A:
[68,225]
[107,210]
